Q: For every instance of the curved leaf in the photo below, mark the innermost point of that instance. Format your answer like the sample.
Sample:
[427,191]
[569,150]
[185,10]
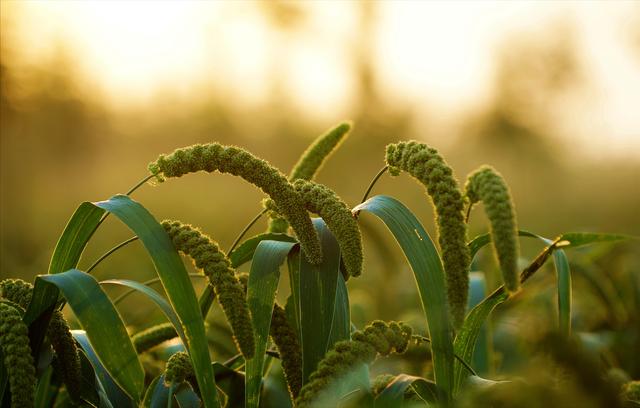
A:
[261,294]
[114,393]
[176,283]
[425,262]
[155,298]
[244,253]
[577,239]
[104,328]
[318,284]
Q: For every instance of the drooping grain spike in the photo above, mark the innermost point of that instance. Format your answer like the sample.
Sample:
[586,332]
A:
[18,361]
[488,186]
[67,357]
[323,201]
[153,336]
[429,168]
[208,256]
[239,162]
[286,340]
[379,338]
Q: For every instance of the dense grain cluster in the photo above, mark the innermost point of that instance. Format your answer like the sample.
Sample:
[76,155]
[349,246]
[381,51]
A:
[323,201]
[286,340]
[239,162]
[379,338]
[18,361]
[178,369]
[428,167]
[67,363]
[151,337]
[208,256]
[310,163]
[488,186]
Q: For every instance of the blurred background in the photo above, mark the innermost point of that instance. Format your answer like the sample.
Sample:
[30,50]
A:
[546,92]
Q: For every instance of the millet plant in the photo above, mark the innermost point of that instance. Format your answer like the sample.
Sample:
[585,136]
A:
[324,357]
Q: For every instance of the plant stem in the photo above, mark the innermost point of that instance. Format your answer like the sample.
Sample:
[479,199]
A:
[109,252]
[140,183]
[244,231]
[373,183]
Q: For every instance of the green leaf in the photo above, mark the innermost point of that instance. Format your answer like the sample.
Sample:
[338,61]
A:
[563,277]
[186,397]
[104,328]
[74,238]
[176,283]
[576,239]
[155,298]
[261,295]
[318,285]
[158,395]
[341,328]
[244,253]
[393,395]
[425,262]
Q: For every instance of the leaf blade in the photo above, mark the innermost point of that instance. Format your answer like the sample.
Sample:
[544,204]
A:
[426,265]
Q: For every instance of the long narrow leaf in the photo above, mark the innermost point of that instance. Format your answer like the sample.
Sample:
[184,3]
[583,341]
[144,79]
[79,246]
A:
[244,253]
[104,327]
[318,285]
[155,298]
[114,393]
[477,293]
[261,295]
[176,283]
[425,262]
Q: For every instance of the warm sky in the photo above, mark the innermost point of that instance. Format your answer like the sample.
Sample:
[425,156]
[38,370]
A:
[437,55]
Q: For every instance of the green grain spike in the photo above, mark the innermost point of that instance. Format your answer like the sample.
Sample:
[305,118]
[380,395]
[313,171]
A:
[208,256]
[178,369]
[17,291]
[323,201]
[488,186]
[18,362]
[239,162]
[153,336]
[67,357]
[58,332]
[314,157]
[286,340]
[379,338]
[430,169]
[311,161]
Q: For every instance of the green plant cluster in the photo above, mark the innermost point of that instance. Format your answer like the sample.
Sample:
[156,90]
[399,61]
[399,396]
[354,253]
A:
[239,162]
[322,353]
